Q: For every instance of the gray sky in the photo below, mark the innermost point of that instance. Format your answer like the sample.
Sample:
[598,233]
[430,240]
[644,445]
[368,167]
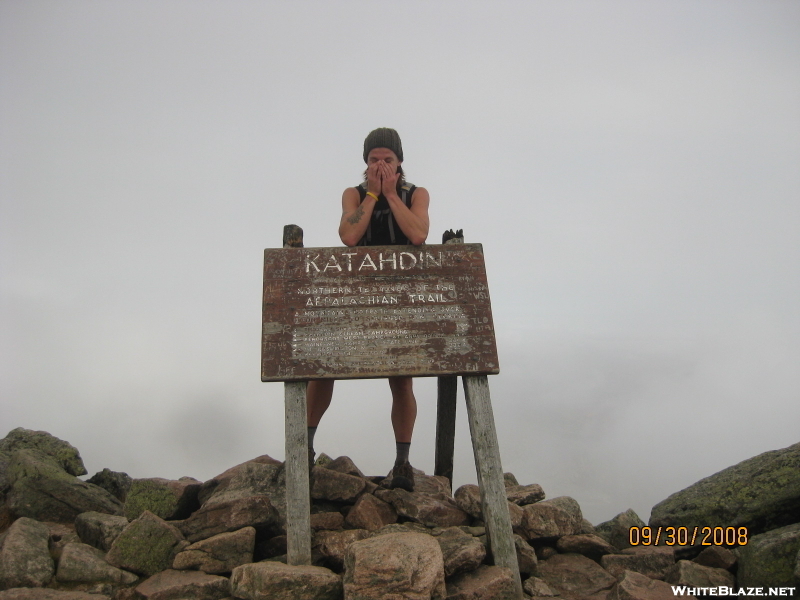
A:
[631,168]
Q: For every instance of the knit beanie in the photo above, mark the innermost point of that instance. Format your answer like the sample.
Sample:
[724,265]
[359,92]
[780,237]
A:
[383,137]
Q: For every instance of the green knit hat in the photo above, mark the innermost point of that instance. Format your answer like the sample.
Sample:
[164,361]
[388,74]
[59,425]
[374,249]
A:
[383,137]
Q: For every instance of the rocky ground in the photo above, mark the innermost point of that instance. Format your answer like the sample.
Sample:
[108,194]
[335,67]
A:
[111,537]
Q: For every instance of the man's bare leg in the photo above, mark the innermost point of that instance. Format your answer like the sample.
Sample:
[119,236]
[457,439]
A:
[404,414]
[318,398]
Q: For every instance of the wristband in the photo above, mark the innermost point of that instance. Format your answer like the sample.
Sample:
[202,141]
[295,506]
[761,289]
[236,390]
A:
[373,195]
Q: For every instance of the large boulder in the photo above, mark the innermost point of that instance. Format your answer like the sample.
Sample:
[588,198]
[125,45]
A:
[175,585]
[523,495]
[64,454]
[146,546]
[24,556]
[396,565]
[552,518]
[770,559]
[344,464]
[262,476]
[574,575]
[219,554]
[460,551]
[617,530]
[332,486]
[276,581]
[99,529]
[485,583]
[760,493]
[165,498]
[651,561]
[82,563]
[635,586]
[589,545]
[370,513]
[333,545]
[41,489]
[689,573]
[427,509]
[114,482]
[220,517]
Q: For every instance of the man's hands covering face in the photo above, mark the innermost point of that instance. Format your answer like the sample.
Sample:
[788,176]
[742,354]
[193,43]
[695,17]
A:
[382,178]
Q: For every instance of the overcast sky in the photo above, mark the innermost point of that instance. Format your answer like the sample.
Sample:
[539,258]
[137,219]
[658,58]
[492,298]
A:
[632,170]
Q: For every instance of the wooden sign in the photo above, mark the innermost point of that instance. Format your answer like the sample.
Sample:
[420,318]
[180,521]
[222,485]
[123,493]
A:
[376,311]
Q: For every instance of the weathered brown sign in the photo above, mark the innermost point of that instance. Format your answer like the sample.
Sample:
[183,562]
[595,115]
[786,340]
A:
[377,311]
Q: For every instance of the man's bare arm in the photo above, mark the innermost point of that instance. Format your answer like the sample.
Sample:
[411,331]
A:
[413,221]
[355,216]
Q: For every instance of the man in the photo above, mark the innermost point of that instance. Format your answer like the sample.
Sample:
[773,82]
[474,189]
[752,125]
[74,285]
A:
[383,210]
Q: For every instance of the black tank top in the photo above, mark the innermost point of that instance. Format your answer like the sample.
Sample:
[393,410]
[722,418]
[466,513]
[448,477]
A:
[382,229]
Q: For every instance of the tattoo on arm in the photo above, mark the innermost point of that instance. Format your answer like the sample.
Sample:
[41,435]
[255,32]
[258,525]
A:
[356,216]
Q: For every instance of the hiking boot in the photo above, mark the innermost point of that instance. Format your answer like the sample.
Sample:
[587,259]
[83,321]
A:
[403,477]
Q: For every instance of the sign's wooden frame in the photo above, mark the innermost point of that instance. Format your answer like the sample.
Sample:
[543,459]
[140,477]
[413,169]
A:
[484,444]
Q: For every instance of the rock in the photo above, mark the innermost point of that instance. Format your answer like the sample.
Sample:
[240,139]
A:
[218,554]
[617,530]
[509,479]
[685,572]
[24,556]
[769,559]
[434,485]
[588,528]
[544,552]
[460,551]
[327,520]
[82,563]
[262,476]
[523,495]
[635,586]
[222,481]
[591,546]
[64,454]
[396,565]
[716,556]
[650,561]
[485,583]
[424,508]
[534,586]
[371,513]
[41,489]
[526,556]
[760,493]
[47,594]
[343,464]
[332,486]
[99,529]
[61,534]
[575,575]
[333,545]
[552,518]
[115,483]
[146,546]
[177,585]
[276,581]
[164,498]
[216,518]
[468,499]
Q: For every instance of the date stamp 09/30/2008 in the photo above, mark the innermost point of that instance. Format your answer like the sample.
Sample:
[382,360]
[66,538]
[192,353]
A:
[688,536]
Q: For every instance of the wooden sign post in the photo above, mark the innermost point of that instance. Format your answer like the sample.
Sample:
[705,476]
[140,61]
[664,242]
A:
[383,311]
